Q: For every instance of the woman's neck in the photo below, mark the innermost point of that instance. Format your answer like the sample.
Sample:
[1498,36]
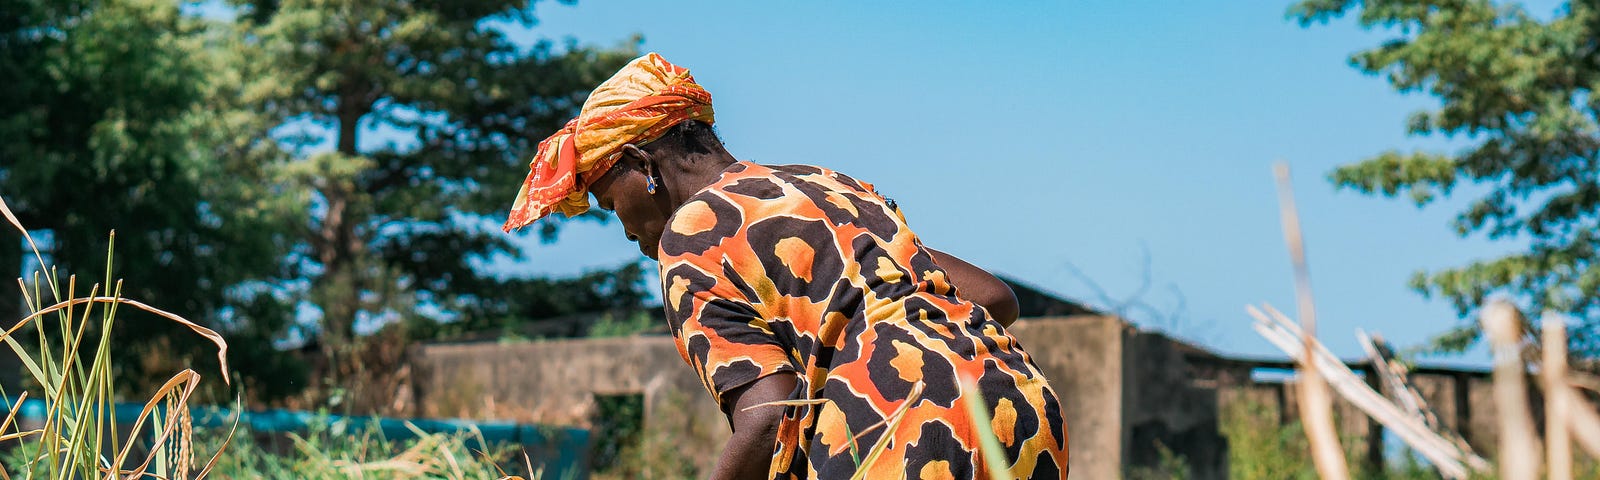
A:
[693,175]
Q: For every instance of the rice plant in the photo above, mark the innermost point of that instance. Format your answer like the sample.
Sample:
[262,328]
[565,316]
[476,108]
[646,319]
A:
[78,435]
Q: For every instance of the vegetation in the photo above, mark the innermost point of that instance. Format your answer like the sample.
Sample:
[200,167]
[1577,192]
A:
[119,111]
[1261,448]
[398,223]
[624,448]
[233,152]
[72,363]
[1517,91]
[613,325]
[333,450]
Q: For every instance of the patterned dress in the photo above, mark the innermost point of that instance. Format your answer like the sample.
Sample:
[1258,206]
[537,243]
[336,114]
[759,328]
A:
[803,270]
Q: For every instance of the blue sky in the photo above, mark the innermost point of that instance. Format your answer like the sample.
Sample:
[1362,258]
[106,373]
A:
[1039,137]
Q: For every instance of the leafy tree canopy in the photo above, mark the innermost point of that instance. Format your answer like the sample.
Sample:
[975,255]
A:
[229,155]
[397,219]
[118,114]
[1518,91]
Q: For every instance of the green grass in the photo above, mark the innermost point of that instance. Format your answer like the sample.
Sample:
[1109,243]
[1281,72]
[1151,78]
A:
[1259,448]
[336,450]
[629,324]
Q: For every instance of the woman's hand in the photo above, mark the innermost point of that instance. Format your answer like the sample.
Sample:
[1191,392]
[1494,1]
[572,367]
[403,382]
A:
[748,454]
[978,286]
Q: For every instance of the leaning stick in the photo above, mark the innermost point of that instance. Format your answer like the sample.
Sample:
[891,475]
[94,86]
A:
[1557,399]
[1585,421]
[1389,377]
[1395,377]
[1519,445]
[1450,460]
[1316,404]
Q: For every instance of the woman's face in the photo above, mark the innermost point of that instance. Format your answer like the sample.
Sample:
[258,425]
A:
[644,216]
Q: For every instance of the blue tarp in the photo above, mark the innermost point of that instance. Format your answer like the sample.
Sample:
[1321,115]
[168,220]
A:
[560,451]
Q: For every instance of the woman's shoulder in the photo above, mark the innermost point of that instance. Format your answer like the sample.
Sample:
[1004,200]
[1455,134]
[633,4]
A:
[766,181]
[806,191]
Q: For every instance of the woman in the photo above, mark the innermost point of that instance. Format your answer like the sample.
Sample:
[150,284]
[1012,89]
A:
[813,315]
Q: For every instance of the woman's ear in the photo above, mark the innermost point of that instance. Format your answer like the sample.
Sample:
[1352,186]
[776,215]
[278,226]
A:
[637,156]
[645,162]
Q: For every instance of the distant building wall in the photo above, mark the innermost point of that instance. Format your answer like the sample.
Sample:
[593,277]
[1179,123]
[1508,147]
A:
[1165,408]
[1461,398]
[1064,349]
[557,381]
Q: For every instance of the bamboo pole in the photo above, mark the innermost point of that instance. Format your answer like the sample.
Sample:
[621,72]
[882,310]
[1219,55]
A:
[1316,404]
[1557,399]
[1397,379]
[1519,444]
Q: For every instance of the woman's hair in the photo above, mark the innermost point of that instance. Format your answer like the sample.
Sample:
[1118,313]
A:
[691,137]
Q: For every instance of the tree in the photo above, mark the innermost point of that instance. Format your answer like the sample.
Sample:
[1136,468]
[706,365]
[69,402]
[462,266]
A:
[395,227]
[119,115]
[1519,92]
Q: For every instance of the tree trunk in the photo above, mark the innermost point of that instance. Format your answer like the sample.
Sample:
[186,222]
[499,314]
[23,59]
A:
[340,285]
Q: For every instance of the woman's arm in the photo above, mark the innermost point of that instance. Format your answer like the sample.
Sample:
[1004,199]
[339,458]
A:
[979,286]
[748,454]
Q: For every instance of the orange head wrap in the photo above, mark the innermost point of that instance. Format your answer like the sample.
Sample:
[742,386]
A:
[635,106]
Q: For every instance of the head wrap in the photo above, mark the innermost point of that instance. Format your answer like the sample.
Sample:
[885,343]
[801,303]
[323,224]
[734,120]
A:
[635,106]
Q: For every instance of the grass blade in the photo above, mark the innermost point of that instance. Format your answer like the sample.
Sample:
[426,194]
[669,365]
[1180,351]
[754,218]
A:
[993,453]
[892,423]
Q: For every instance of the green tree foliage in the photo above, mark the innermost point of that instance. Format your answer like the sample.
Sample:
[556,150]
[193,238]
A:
[119,114]
[516,300]
[197,140]
[397,225]
[1519,92]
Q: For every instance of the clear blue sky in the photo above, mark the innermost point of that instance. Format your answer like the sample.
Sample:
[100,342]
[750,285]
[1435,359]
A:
[1038,135]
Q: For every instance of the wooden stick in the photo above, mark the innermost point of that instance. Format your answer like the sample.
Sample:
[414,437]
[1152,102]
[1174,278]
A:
[1397,379]
[1451,462]
[1316,404]
[1519,444]
[1585,421]
[1557,399]
[1389,377]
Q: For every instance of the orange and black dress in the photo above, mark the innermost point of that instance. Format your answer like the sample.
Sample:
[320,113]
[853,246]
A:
[800,269]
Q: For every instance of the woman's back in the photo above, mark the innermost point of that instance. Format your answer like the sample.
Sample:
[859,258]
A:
[804,270]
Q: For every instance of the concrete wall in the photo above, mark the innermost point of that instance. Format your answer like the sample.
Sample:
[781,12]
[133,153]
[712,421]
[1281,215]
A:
[556,381]
[1126,393]
[1164,407]
[1064,349]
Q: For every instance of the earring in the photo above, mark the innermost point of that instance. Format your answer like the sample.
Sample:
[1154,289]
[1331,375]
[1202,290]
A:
[650,182]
